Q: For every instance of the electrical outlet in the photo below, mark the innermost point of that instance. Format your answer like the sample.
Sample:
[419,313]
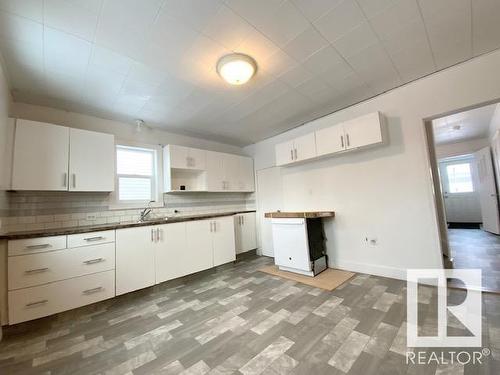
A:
[371,241]
[91,217]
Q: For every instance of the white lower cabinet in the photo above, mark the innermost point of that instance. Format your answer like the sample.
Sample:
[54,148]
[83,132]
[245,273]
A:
[172,259]
[245,232]
[199,245]
[135,258]
[36,302]
[223,240]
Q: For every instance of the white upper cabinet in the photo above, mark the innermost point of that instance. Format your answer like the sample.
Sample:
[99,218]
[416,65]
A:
[41,156]
[91,161]
[185,157]
[360,132]
[215,171]
[246,180]
[296,150]
[52,157]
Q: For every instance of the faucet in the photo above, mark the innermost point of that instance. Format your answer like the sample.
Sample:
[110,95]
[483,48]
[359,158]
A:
[144,213]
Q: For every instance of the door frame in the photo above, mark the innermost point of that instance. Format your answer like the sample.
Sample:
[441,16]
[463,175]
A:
[435,185]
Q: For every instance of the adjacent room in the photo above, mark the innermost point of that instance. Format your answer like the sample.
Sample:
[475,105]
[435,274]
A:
[249,187]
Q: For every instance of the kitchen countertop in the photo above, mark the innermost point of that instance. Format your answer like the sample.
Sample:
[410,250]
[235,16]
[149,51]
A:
[95,228]
[301,215]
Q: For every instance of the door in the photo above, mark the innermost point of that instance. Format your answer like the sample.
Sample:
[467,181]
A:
[305,147]
[488,196]
[269,199]
[223,240]
[171,258]
[248,233]
[199,245]
[215,171]
[135,258]
[40,156]
[330,140]
[459,189]
[91,161]
[363,131]
[284,153]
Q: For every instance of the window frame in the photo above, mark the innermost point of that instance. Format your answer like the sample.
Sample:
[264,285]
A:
[156,179]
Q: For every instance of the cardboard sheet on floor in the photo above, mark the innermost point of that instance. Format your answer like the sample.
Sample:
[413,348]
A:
[328,279]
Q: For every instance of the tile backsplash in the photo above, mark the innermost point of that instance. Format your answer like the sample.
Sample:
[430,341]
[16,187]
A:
[42,210]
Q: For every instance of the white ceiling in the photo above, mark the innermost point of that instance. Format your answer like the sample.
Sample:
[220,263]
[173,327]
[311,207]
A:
[472,124]
[155,59]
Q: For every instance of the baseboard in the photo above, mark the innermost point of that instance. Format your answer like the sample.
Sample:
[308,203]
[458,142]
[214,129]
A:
[371,269]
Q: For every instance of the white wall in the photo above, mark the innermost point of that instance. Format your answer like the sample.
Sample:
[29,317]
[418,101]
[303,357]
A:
[461,148]
[495,122]
[386,192]
[121,130]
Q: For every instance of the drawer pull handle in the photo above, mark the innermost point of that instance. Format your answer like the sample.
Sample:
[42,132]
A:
[94,290]
[35,247]
[93,261]
[36,270]
[90,239]
[37,303]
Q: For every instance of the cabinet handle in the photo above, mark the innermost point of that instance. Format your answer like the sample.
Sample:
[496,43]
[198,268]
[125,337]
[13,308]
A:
[93,290]
[215,226]
[347,138]
[65,179]
[291,154]
[74,180]
[92,239]
[158,232]
[36,247]
[342,141]
[152,235]
[295,152]
[243,220]
[36,270]
[93,261]
[37,303]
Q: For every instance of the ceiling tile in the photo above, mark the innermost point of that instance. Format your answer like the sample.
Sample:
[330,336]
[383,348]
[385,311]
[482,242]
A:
[22,53]
[336,73]
[64,86]
[315,89]
[314,9]
[356,40]
[65,53]
[283,25]
[71,18]
[341,19]
[258,46]
[486,25]
[20,29]
[26,78]
[206,51]
[296,76]
[93,6]
[107,60]
[277,64]
[305,44]
[196,13]
[32,9]
[227,28]
[323,60]
[448,25]
[372,7]
[395,17]
[254,10]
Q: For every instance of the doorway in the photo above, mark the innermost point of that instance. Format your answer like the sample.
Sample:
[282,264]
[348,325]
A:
[464,150]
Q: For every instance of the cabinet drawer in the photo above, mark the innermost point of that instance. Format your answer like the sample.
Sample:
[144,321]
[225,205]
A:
[36,302]
[93,238]
[36,245]
[36,269]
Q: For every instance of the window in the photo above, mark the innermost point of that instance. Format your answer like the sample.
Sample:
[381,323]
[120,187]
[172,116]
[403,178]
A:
[459,178]
[138,179]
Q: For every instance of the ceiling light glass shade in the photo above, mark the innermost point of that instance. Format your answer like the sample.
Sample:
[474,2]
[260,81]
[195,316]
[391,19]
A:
[236,68]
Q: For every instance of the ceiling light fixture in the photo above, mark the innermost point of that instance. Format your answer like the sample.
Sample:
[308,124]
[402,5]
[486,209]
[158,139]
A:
[236,68]
[139,124]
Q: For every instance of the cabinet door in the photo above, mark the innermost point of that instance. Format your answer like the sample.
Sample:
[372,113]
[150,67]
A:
[135,259]
[249,232]
[246,175]
[305,147]
[224,245]
[330,140]
[171,260]
[199,245]
[238,233]
[363,131]
[231,165]
[178,156]
[91,161]
[197,159]
[284,153]
[215,171]
[40,156]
